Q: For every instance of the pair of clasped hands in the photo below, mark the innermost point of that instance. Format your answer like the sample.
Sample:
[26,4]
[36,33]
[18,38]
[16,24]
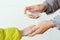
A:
[41,27]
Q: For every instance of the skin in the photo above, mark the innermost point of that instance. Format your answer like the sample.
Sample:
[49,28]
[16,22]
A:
[36,8]
[43,26]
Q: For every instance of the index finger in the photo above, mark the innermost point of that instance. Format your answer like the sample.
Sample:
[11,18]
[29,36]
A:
[33,30]
[34,33]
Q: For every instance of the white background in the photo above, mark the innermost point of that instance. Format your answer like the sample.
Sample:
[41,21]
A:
[12,15]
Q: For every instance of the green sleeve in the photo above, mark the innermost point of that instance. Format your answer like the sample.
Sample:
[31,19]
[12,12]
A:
[2,35]
[10,34]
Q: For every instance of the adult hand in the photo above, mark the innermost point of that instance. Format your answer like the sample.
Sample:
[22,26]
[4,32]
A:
[41,28]
[35,8]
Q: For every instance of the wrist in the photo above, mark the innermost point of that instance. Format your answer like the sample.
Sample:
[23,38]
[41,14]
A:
[49,24]
[46,6]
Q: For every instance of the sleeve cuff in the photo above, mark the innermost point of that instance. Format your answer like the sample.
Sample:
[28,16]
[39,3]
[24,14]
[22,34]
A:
[53,5]
[49,10]
[56,21]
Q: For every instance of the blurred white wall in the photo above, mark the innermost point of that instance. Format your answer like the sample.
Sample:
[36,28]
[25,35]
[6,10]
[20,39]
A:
[12,15]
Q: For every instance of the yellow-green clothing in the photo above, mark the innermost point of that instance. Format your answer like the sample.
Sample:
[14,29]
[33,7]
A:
[10,34]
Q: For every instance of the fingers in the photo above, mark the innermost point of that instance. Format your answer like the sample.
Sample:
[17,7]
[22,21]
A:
[32,31]
[26,30]
[34,17]
[30,9]
[40,30]
[36,8]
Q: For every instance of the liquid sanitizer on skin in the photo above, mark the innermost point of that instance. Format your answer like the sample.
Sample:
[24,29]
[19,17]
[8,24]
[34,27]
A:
[34,14]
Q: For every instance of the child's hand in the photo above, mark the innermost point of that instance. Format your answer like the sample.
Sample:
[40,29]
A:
[27,30]
[41,28]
